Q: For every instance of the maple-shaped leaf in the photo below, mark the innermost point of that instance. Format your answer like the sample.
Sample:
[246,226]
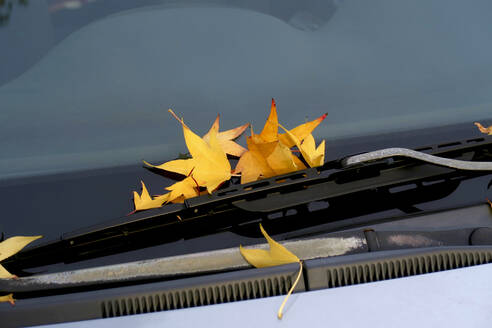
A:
[276,255]
[301,131]
[184,189]
[180,166]
[267,156]
[12,246]
[212,166]
[484,129]
[313,156]
[145,201]
[226,138]
[8,298]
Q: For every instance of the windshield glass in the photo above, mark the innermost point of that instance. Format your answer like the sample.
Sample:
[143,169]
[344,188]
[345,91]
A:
[86,84]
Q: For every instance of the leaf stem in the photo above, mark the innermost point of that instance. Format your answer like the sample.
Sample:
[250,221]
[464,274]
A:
[281,309]
[175,116]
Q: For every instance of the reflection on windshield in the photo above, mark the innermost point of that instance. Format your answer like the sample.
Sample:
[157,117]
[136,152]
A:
[88,83]
[6,7]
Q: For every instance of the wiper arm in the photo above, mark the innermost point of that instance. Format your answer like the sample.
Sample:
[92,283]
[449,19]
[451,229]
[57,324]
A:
[283,203]
[330,245]
[404,152]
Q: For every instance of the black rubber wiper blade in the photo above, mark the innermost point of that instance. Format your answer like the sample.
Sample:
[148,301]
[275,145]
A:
[238,207]
[175,267]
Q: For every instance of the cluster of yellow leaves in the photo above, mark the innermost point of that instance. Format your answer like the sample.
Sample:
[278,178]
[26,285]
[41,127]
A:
[10,247]
[207,168]
[269,153]
[276,255]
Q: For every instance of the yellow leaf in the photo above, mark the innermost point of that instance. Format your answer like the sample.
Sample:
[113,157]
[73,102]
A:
[267,156]
[313,156]
[145,201]
[212,166]
[8,298]
[316,154]
[301,131]
[277,255]
[4,274]
[300,165]
[12,246]
[484,129]
[181,166]
[259,153]
[275,157]
[270,130]
[281,160]
[184,189]
[232,148]
[226,138]
[248,167]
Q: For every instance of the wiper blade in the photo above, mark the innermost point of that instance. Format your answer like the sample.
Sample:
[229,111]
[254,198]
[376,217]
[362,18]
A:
[283,203]
[175,267]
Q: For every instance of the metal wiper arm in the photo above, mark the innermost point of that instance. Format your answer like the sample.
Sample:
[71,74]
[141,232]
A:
[174,267]
[409,153]
[288,197]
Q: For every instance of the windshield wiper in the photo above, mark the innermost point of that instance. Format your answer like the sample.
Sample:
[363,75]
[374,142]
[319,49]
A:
[195,264]
[334,193]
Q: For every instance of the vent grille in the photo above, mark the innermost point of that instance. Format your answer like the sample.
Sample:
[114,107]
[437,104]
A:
[197,296]
[330,275]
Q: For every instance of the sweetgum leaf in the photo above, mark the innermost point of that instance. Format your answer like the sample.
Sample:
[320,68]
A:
[145,201]
[12,246]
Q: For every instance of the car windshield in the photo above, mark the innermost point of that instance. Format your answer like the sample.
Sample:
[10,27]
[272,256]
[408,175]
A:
[86,84]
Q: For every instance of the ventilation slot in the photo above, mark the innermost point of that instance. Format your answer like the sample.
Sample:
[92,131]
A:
[323,274]
[198,296]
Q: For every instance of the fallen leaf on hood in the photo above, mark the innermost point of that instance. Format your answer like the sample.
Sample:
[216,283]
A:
[276,255]
[8,298]
[226,138]
[212,166]
[145,201]
[12,246]
[484,129]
